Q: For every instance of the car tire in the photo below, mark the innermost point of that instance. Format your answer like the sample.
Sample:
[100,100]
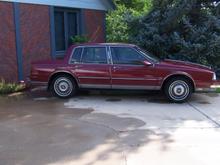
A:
[178,89]
[63,86]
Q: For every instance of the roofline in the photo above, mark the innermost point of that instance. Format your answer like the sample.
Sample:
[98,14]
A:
[104,44]
[103,5]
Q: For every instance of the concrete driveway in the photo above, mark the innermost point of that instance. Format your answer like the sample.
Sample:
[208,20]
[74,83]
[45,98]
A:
[109,128]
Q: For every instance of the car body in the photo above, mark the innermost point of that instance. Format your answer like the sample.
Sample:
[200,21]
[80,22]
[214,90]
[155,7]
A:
[121,66]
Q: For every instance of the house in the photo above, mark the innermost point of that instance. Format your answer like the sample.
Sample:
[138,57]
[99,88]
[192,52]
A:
[32,30]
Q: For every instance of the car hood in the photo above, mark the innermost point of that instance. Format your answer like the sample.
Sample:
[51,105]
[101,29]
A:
[184,64]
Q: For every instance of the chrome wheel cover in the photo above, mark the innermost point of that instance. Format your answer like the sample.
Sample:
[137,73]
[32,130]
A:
[63,87]
[179,90]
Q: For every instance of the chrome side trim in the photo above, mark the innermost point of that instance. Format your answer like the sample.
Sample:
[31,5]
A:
[131,87]
[135,79]
[95,86]
[38,83]
[99,78]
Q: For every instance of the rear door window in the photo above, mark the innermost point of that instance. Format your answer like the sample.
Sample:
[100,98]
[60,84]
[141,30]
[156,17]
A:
[94,55]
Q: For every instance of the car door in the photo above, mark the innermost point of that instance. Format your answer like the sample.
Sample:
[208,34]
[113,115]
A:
[128,72]
[93,68]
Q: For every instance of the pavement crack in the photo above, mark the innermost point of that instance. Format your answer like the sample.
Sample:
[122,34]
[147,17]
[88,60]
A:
[204,114]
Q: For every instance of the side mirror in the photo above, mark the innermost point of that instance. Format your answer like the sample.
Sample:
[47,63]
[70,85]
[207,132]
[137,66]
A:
[147,63]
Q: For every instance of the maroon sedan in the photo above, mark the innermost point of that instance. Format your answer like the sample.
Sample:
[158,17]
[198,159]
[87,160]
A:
[121,66]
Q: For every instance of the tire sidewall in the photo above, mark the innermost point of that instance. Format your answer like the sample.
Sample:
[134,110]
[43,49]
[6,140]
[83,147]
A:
[70,80]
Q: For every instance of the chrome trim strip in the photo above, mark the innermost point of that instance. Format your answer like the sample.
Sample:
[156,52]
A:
[99,78]
[128,87]
[38,83]
[136,79]
[95,86]
[134,87]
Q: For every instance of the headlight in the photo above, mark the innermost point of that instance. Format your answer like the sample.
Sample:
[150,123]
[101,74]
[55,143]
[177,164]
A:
[214,76]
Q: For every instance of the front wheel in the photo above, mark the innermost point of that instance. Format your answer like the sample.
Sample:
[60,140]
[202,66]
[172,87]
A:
[63,86]
[178,89]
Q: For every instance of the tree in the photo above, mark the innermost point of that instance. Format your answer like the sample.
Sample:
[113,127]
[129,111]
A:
[180,29]
[117,21]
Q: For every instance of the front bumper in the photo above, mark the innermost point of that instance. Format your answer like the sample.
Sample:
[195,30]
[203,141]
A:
[215,85]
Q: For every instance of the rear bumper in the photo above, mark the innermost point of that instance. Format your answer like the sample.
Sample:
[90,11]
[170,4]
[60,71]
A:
[30,83]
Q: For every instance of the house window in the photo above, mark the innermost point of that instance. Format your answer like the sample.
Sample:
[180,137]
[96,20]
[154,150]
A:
[66,26]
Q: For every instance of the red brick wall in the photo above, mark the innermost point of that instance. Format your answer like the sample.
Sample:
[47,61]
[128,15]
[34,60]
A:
[8,59]
[35,34]
[94,22]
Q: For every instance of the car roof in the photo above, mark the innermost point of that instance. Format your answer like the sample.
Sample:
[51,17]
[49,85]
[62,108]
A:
[105,44]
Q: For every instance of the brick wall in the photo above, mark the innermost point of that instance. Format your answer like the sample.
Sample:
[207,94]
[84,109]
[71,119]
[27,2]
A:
[35,34]
[8,59]
[94,25]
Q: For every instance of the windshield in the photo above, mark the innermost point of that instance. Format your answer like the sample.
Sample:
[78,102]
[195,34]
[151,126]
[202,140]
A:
[150,56]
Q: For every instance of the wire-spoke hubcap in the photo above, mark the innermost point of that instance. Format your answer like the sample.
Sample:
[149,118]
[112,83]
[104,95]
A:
[63,87]
[179,90]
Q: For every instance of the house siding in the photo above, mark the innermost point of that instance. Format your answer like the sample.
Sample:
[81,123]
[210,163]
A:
[95,25]
[35,34]
[8,58]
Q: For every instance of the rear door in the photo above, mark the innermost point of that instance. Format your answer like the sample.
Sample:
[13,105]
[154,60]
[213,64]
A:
[128,72]
[93,68]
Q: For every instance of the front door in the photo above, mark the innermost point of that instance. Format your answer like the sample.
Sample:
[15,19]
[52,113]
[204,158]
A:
[93,70]
[128,72]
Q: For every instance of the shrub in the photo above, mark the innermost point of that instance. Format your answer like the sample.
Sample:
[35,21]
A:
[7,88]
[181,29]
[79,39]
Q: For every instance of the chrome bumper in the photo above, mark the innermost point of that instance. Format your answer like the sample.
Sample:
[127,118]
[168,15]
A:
[212,88]
[30,83]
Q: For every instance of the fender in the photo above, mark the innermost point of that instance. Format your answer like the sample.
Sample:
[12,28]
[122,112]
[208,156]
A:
[179,74]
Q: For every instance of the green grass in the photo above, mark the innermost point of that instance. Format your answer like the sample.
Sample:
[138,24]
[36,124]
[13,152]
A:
[218,90]
[8,88]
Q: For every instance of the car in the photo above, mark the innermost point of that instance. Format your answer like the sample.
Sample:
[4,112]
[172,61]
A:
[121,66]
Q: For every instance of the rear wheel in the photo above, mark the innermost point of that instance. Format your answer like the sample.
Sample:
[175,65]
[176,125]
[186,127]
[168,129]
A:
[63,86]
[178,89]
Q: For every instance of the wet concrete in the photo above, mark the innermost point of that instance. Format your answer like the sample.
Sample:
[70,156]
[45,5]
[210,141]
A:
[108,128]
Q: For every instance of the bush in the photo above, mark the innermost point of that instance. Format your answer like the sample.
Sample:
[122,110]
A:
[181,29]
[7,88]
[79,39]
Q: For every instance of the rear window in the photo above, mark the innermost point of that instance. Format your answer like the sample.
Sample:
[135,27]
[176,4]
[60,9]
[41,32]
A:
[76,57]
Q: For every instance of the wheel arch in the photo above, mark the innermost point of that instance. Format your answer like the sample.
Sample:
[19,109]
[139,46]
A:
[58,73]
[184,75]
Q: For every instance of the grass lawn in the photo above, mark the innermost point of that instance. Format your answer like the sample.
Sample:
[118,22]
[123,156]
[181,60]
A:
[218,90]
